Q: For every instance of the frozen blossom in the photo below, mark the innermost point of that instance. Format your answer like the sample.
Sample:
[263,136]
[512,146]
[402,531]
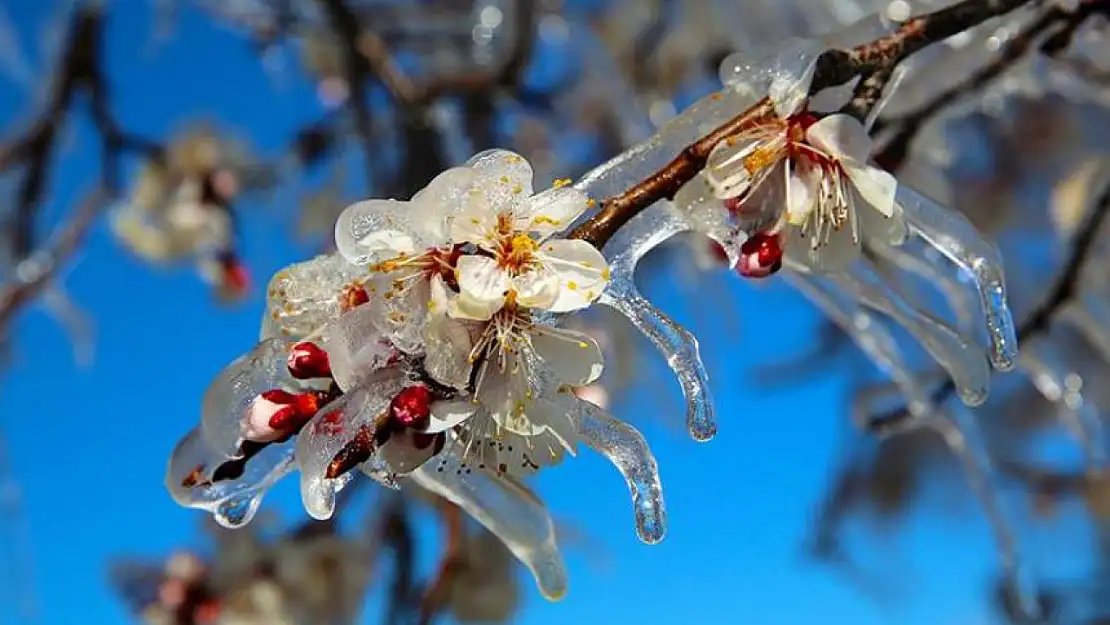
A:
[430,348]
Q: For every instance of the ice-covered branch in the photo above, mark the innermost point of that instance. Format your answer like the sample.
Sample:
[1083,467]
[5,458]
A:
[834,67]
[1056,21]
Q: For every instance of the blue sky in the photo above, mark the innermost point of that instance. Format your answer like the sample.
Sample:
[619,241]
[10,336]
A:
[88,445]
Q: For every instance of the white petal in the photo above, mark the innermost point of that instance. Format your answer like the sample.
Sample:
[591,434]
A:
[574,357]
[580,269]
[555,416]
[841,136]
[449,342]
[374,230]
[482,288]
[550,211]
[537,288]
[792,74]
[476,223]
[875,186]
[504,181]
[401,454]
[437,204]
[497,163]
[449,413]
[801,191]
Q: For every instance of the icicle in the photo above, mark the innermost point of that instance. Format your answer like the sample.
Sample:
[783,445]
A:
[680,348]
[868,333]
[626,448]
[963,362]
[954,236]
[918,263]
[233,502]
[1048,369]
[961,434]
[507,509]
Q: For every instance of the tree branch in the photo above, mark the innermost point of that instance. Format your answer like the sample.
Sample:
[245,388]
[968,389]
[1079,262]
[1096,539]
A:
[834,67]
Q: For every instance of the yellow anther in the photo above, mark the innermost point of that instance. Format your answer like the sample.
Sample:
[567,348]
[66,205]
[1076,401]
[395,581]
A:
[561,182]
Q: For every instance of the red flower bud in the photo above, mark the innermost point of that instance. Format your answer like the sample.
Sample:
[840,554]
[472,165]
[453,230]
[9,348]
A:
[760,256]
[308,360]
[411,407]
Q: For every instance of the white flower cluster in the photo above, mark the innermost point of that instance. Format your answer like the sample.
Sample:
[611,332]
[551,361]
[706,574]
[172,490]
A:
[429,349]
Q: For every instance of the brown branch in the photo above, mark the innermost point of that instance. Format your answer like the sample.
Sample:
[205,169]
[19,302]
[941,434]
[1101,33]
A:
[895,149]
[834,67]
[24,289]
[405,91]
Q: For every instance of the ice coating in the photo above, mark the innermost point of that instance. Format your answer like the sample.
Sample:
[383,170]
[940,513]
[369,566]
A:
[304,296]
[505,508]
[678,346]
[869,334]
[1046,364]
[367,230]
[232,502]
[330,429]
[962,436]
[355,348]
[954,236]
[626,448]
[914,260]
[234,389]
[963,361]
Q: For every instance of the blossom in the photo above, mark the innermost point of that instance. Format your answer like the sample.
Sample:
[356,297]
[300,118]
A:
[799,184]
[519,261]
[396,357]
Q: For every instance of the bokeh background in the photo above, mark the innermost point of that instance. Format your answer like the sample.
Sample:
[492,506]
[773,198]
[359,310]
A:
[97,388]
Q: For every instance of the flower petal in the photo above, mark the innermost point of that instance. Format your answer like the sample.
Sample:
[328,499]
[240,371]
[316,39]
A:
[449,413]
[550,211]
[302,297]
[536,288]
[875,186]
[401,454]
[447,353]
[482,288]
[476,223]
[842,137]
[792,72]
[375,230]
[436,205]
[507,509]
[801,191]
[575,358]
[580,269]
[498,163]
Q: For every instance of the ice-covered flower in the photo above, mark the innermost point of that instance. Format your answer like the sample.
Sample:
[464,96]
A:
[517,261]
[798,183]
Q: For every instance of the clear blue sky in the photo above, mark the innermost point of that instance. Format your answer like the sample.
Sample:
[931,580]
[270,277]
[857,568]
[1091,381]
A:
[88,445]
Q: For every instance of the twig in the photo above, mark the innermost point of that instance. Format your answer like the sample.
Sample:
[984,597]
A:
[834,67]
[896,148]
[26,287]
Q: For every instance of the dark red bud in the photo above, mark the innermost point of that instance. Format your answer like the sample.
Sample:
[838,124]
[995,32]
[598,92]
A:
[309,360]
[297,411]
[411,407]
[760,256]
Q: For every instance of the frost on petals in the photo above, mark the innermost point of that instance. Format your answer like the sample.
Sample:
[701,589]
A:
[431,339]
